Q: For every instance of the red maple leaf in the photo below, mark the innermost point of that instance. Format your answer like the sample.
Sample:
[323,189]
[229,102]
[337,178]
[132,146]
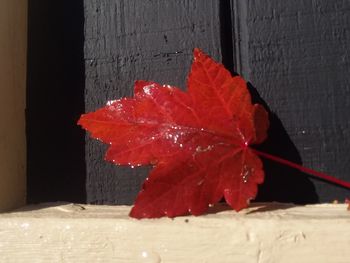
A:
[198,141]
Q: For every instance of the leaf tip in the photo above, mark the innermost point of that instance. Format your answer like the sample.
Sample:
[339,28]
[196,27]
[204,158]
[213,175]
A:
[138,86]
[139,212]
[197,53]
[81,119]
[261,123]
[134,214]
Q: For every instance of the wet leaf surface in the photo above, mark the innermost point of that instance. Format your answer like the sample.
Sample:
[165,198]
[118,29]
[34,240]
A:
[198,141]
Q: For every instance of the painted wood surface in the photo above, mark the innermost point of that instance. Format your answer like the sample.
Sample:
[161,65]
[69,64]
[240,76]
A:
[296,55]
[263,233]
[13,54]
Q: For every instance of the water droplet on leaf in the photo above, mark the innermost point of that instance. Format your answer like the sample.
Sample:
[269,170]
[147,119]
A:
[246,173]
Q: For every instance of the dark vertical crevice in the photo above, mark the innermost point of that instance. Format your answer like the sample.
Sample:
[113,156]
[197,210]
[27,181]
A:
[55,100]
[234,36]
[226,35]
[281,182]
[240,35]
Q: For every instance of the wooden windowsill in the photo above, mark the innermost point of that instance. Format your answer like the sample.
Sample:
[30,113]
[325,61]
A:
[271,232]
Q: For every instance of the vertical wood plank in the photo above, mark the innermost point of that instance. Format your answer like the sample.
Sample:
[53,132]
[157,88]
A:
[296,55]
[130,40]
[13,39]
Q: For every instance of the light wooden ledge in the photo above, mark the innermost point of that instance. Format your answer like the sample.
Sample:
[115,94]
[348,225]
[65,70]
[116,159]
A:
[58,232]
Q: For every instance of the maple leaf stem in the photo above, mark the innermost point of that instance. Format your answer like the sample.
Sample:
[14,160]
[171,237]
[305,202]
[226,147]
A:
[303,169]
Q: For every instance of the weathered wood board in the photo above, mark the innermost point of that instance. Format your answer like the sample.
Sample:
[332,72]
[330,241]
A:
[273,232]
[296,55]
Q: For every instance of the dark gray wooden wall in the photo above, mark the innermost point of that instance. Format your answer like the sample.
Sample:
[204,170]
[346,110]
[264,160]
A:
[295,54]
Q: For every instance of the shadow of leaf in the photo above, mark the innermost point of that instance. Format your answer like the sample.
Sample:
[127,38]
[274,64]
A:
[282,183]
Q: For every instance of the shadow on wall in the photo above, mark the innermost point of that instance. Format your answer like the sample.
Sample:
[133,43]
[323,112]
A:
[55,100]
[282,183]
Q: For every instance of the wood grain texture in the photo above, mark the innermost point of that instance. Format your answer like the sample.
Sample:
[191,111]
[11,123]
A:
[263,233]
[296,55]
[130,40]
